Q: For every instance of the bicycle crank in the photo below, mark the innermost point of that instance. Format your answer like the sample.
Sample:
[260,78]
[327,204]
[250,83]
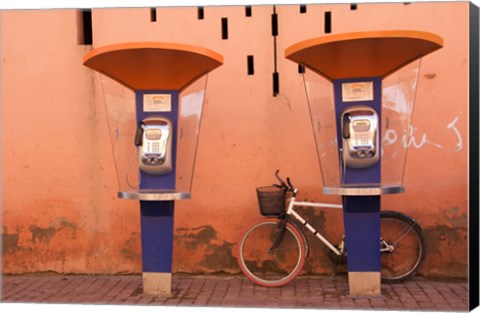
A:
[387,247]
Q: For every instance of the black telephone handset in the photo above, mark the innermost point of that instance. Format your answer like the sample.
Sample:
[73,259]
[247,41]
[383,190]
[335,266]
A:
[139,134]
[346,126]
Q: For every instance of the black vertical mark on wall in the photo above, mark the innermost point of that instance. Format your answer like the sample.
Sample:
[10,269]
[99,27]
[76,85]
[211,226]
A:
[224,28]
[328,22]
[153,14]
[248,11]
[474,156]
[250,65]
[276,78]
[303,8]
[276,84]
[301,69]
[353,6]
[87,27]
[274,23]
[200,13]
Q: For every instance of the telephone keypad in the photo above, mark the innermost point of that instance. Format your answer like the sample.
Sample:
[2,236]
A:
[362,139]
[153,147]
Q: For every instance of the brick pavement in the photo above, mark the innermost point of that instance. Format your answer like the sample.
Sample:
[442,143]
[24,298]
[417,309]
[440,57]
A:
[319,292]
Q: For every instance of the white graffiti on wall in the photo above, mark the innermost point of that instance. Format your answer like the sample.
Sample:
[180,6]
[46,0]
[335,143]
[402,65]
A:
[418,140]
[453,127]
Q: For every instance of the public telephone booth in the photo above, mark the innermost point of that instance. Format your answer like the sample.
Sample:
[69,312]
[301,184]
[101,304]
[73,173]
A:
[153,94]
[361,92]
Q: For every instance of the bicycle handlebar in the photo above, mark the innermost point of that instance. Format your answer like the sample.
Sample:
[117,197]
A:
[287,186]
[289,183]
[282,182]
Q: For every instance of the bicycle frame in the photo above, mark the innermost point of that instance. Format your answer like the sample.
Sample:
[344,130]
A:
[290,211]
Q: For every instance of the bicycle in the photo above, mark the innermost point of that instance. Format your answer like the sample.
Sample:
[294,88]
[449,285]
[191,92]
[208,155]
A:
[272,251]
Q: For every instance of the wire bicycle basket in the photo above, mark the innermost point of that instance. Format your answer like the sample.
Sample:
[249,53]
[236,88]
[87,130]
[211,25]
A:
[271,200]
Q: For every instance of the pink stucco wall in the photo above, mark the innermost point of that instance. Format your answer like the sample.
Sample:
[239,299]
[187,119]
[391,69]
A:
[60,211]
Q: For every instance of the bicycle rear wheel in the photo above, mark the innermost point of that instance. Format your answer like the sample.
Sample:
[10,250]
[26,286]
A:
[403,247]
[266,266]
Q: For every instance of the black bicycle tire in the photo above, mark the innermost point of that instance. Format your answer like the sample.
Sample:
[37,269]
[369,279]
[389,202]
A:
[420,237]
[288,278]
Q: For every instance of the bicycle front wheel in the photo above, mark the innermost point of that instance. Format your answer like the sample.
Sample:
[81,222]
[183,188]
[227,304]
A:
[402,247]
[266,263]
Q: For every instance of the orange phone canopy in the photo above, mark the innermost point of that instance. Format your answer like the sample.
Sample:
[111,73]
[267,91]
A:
[363,54]
[153,65]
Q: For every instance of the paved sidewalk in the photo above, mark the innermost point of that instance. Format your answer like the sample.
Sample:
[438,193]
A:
[317,292]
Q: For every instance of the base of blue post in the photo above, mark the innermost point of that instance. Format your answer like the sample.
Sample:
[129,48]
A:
[362,238]
[364,284]
[157,219]
[157,283]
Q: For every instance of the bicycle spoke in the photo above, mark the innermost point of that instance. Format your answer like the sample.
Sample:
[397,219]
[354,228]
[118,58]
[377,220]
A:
[403,234]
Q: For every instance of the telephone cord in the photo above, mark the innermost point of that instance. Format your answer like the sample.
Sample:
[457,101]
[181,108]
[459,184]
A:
[128,172]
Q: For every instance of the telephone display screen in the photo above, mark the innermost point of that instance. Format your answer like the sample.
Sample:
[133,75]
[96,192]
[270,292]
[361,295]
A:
[361,125]
[153,134]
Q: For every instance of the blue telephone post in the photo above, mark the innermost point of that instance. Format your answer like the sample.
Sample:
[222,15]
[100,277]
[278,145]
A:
[168,83]
[348,129]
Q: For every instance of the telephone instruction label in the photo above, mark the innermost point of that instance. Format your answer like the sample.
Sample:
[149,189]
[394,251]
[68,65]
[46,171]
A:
[157,103]
[357,91]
